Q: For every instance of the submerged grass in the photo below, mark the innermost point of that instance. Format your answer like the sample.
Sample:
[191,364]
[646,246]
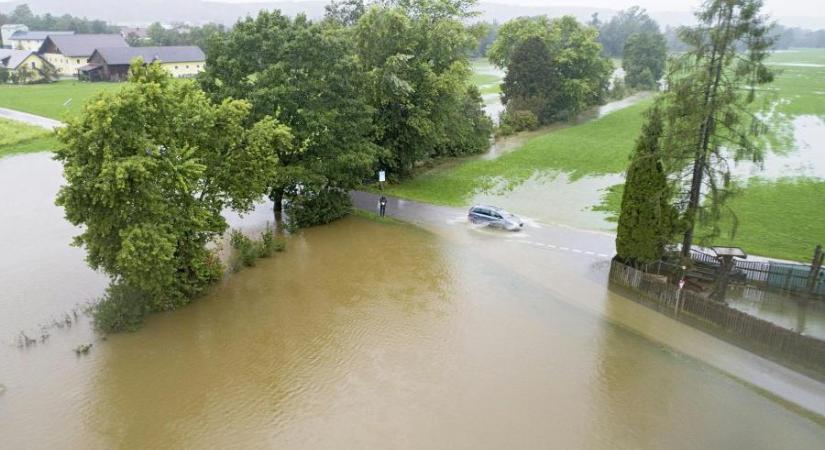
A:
[16,137]
[600,146]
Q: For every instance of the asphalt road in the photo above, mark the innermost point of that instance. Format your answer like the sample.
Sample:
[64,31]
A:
[31,119]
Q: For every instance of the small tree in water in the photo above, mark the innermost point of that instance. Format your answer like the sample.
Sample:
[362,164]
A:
[149,169]
[707,100]
[647,218]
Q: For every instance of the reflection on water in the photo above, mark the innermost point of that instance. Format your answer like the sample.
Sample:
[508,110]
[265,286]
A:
[366,335]
[788,312]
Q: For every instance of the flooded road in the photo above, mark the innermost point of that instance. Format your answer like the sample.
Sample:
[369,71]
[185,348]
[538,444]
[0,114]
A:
[368,335]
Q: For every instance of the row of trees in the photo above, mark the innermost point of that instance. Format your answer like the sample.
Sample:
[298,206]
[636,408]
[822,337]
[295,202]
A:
[555,68]
[298,110]
[178,34]
[22,14]
[679,177]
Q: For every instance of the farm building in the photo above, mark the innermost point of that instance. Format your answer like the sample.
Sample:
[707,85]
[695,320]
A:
[112,63]
[32,40]
[23,63]
[70,52]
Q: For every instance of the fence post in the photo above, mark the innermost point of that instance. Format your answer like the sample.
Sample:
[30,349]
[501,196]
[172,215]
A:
[816,267]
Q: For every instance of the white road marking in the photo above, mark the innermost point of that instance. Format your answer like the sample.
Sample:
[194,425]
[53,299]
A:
[553,246]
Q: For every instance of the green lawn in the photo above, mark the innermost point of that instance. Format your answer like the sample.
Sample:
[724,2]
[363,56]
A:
[49,100]
[775,218]
[16,138]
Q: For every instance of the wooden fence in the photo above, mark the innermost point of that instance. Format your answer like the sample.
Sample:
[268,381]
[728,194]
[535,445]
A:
[756,334]
[773,275]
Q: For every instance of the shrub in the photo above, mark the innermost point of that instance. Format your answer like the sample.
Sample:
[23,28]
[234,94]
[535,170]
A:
[317,207]
[269,244]
[521,120]
[247,251]
[619,89]
[122,308]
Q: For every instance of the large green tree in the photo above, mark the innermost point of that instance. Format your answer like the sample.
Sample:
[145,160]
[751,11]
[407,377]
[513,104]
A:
[647,218]
[644,60]
[148,170]
[614,34]
[414,53]
[709,121]
[306,76]
[569,76]
[529,84]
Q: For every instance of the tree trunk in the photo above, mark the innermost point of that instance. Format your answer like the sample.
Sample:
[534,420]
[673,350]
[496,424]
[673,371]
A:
[706,130]
[277,197]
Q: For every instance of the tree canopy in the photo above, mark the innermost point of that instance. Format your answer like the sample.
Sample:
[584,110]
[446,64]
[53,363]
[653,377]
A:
[645,56]
[614,33]
[306,76]
[415,58]
[148,170]
[647,218]
[555,67]
[709,121]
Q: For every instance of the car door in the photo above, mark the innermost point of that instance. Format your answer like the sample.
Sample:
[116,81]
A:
[496,219]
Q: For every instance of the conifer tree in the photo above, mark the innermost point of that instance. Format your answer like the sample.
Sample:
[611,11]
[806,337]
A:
[647,218]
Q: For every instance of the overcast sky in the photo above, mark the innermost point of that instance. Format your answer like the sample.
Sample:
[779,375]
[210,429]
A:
[775,8]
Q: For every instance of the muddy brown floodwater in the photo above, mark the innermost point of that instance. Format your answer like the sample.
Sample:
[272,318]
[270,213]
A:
[365,335]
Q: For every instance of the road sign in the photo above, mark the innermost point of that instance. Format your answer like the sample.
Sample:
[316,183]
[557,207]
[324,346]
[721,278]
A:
[382,176]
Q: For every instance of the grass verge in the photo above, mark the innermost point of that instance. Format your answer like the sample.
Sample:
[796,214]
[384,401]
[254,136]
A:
[18,137]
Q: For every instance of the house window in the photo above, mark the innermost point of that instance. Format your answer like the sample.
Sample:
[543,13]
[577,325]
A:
[78,61]
[187,66]
[34,65]
[176,67]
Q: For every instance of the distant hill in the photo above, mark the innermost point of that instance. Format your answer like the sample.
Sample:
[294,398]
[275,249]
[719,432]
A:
[148,11]
[137,12]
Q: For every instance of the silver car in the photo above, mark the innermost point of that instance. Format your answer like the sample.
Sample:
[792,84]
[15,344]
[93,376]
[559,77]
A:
[496,217]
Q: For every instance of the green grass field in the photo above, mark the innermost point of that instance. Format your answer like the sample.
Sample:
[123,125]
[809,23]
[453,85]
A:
[21,138]
[50,100]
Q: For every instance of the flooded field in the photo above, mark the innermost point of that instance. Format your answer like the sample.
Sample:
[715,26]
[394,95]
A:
[554,198]
[367,335]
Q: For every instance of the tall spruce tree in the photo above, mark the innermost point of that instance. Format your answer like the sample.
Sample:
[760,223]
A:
[708,118]
[647,218]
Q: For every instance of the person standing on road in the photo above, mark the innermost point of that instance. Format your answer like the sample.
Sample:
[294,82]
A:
[382,206]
